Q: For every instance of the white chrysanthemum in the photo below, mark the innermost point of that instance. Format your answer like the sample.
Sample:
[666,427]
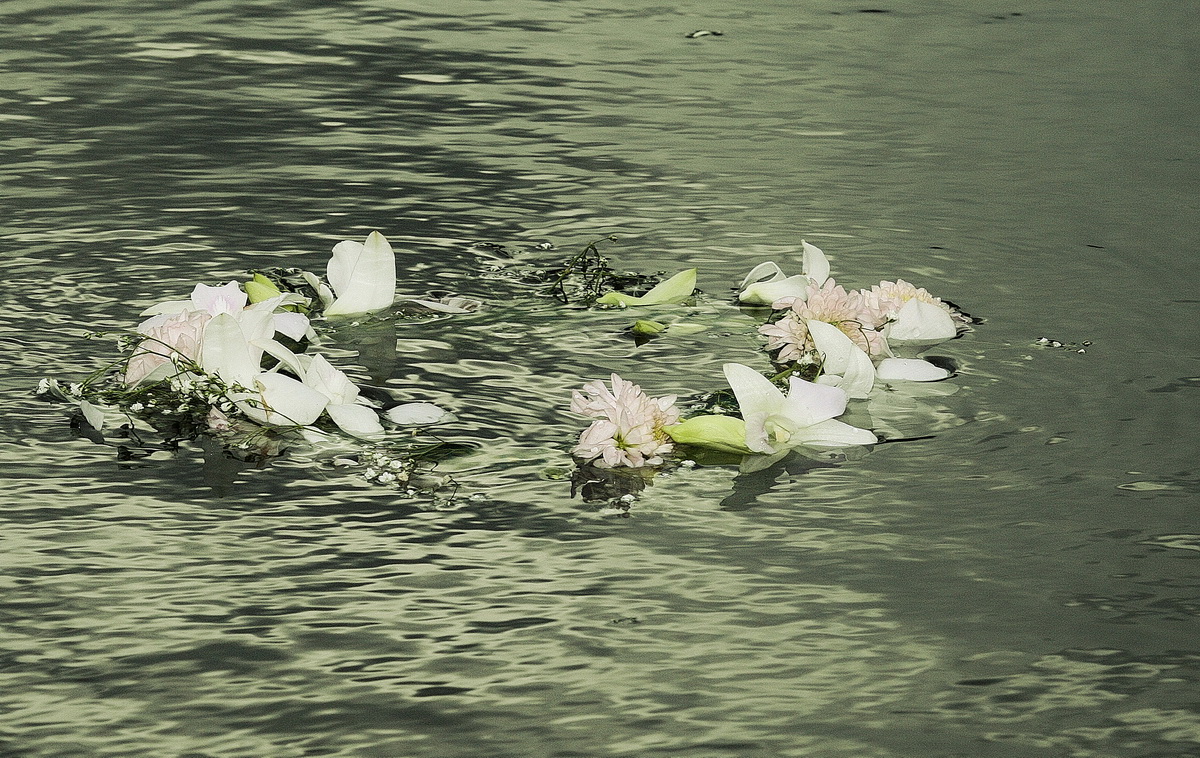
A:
[628,430]
[888,298]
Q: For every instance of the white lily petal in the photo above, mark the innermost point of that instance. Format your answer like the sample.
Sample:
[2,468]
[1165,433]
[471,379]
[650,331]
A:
[763,272]
[418,414]
[449,305]
[228,298]
[281,400]
[170,306]
[755,393]
[322,289]
[811,403]
[293,325]
[843,357]
[909,369]
[363,276]
[227,353]
[918,321]
[833,433]
[356,420]
[280,353]
[766,293]
[330,381]
[93,414]
[816,265]
[758,438]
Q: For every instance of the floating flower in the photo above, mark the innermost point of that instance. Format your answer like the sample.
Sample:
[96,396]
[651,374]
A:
[767,284]
[773,422]
[914,316]
[832,304]
[168,339]
[628,430]
[890,297]
[362,276]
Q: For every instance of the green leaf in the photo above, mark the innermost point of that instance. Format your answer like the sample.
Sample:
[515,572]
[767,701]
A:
[724,433]
[647,327]
[260,288]
[674,290]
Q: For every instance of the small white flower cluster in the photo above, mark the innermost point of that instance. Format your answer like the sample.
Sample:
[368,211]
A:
[381,466]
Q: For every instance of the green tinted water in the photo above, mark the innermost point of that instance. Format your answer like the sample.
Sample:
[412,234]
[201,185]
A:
[1021,584]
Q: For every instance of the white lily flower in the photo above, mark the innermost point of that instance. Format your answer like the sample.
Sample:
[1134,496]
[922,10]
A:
[766,283]
[362,275]
[816,265]
[845,364]
[805,416]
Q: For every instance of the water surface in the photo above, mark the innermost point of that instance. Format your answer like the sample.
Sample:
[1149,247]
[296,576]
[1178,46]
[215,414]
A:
[1023,582]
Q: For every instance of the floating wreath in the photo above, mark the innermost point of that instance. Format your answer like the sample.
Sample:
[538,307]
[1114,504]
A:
[242,362]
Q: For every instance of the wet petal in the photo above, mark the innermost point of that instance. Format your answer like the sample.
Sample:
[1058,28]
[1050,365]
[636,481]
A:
[228,298]
[816,265]
[833,433]
[910,369]
[330,381]
[809,403]
[418,414]
[755,393]
[281,400]
[766,293]
[843,357]
[94,414]
[227,353]
[918,321]
[356,420]
[363,276]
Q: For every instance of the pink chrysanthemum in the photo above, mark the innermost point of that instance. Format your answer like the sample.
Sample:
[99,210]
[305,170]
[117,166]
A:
[628,430]
[831,303]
